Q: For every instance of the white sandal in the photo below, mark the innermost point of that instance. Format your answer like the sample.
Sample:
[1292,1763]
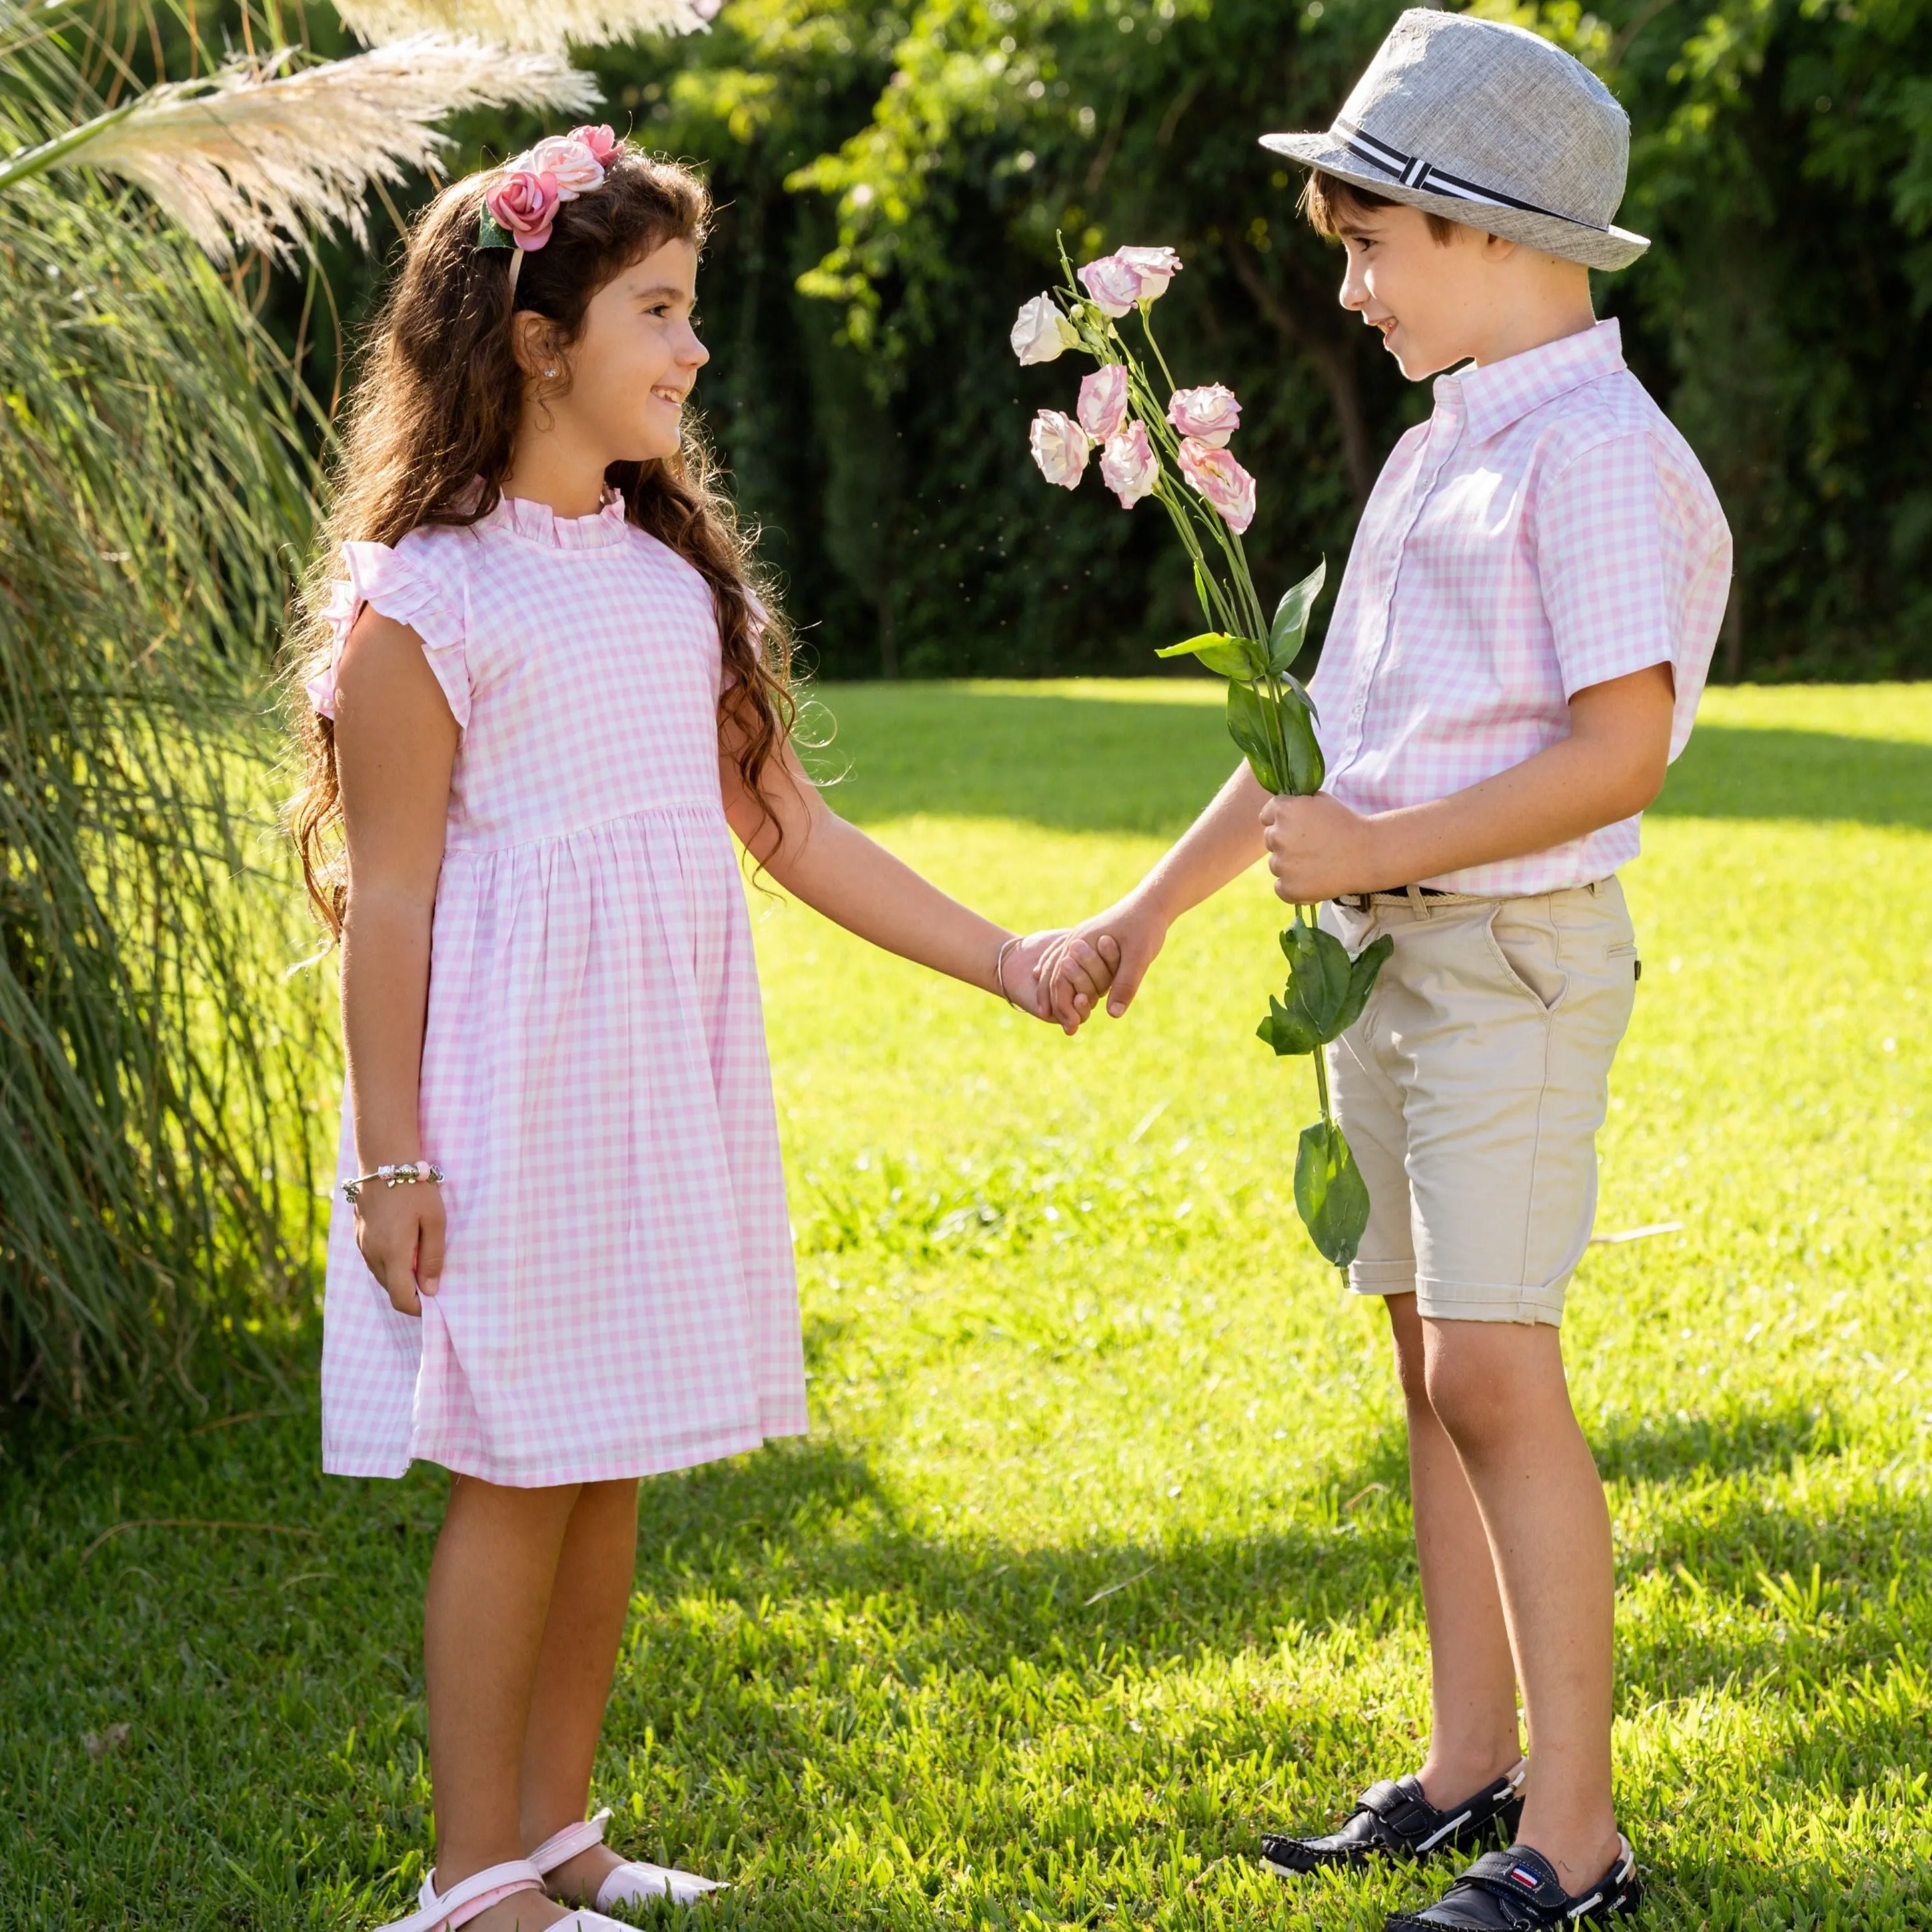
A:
[632,1883]
[491,1886]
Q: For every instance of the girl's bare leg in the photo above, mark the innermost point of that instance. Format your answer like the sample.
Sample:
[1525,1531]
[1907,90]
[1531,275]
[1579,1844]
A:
[490,1594]
[587,1605]
[1473,1736]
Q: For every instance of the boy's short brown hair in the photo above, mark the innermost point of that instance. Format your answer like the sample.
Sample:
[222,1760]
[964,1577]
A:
[1328,201]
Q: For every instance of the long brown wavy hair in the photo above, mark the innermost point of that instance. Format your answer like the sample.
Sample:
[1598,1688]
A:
[434,415]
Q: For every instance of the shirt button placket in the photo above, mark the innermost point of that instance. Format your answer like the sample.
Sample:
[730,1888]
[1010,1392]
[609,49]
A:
[1445,431]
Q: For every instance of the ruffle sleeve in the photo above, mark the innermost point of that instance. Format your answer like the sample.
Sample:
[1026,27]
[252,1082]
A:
[402,587]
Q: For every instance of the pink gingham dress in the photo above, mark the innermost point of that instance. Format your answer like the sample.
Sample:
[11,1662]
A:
[1546,529]
[617,1295]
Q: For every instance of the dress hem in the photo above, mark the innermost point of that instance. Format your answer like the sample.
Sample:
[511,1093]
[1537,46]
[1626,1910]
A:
[617,1469]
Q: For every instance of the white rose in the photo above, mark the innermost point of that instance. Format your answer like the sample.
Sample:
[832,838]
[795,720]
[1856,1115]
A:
[1041,333]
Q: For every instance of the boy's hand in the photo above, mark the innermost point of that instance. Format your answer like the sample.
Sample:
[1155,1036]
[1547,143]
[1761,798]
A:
[1317,848]
[1127,937]
[1087,976]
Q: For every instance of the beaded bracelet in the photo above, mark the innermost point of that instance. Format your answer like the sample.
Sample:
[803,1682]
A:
[393,1174]
[1000,976]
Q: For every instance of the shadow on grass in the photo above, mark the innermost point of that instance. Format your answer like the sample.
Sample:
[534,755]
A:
[791,1614]
[1099,765]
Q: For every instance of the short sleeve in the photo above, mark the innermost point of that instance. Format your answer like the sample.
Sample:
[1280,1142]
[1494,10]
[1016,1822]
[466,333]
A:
[408,588]
[1602,561]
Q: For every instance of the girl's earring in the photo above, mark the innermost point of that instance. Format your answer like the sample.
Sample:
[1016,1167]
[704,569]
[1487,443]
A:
[549,372]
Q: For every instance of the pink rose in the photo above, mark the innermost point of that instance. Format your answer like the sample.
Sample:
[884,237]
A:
[1209,415]
[568,162]
[1129,466]
[1115,286]
[1156,267]
[602,143]
[524,203]
[1059,447]
[1228,488]
[1103,401]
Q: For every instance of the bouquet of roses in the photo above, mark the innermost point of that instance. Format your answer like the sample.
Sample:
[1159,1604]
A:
[1176,451]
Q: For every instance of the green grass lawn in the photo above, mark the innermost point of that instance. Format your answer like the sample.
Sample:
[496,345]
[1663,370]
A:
[1097,1561]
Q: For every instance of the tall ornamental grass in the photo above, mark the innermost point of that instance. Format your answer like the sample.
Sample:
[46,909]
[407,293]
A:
[158,1071]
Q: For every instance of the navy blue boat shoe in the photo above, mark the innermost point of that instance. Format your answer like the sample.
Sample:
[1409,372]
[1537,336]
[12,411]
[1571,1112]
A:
[1392,1819]
[1518,1891]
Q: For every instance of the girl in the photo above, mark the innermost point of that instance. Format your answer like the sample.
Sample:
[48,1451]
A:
[543,687]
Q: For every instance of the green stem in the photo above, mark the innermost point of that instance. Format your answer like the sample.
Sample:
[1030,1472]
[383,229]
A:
[1307,915]
[1147,327]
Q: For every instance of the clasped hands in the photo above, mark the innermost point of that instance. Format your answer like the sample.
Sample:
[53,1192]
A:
[1317,849]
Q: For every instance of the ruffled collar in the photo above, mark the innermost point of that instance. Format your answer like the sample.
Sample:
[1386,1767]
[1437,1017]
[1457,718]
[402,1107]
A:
[537,523]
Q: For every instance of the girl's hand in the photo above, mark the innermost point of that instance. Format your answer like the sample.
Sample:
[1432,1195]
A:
[1088,970]
[1130,934]
[400,1231]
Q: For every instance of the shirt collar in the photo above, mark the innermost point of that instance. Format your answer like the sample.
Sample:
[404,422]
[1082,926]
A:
[1503,392]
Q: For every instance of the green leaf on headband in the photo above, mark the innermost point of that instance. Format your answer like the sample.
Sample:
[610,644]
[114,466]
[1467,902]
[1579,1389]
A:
[1227,656]
[1291,618]
[1330,1193]
[490,233]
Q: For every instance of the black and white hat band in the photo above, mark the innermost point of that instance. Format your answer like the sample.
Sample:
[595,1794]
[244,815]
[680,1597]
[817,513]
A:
[1411,171]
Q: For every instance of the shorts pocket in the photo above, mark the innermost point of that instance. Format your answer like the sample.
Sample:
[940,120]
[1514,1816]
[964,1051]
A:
[1526,956]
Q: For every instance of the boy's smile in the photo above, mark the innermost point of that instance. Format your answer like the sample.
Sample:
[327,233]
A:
[1474,297]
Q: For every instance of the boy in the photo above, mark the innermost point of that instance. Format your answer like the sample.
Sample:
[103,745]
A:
[1515,656]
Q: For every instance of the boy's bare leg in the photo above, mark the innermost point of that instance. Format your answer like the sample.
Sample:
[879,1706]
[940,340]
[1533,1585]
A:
[483,1627]
[1499,1391]
[1473,1737]
[587,1607]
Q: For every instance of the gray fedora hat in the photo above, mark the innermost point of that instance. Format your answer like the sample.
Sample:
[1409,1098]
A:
[1489,125]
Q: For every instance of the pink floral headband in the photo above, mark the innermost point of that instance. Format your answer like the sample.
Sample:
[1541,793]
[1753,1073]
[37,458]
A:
[518,211]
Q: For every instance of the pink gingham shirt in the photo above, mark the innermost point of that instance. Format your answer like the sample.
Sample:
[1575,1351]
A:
[1547,529]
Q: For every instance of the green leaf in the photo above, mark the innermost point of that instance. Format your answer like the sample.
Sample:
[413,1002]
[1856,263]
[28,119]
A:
[490,233]
[1291,618]
[1251,727]
[1362,974]
[1306,766]
[1229,656]
[1201,592]
[1286,1029]
[1329,1194]
[1318,976]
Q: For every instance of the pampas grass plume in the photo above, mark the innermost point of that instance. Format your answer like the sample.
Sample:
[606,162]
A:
[253,156]
[540,24]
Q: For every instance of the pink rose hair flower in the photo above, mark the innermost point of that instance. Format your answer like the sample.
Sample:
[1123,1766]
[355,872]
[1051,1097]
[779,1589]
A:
[1209,415]
[1228,488]
[1059,447]
[571,163]
[1129,466]
[524,203]
[1103,401]
[601,142]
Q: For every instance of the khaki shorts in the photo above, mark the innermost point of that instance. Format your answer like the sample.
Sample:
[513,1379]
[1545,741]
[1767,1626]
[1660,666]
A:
[1471,1089]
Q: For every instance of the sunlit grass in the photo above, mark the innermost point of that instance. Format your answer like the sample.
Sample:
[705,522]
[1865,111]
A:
[1097,1561]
